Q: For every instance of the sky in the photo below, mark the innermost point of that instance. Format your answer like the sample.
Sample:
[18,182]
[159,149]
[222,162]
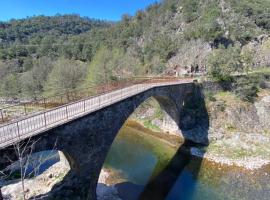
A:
[101,9]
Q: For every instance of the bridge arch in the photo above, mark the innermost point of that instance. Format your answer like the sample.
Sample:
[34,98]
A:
[86,140]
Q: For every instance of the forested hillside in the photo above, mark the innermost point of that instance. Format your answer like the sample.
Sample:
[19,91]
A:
[38,54]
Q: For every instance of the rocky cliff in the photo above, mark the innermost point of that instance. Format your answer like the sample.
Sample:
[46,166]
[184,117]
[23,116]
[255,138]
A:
[238,133]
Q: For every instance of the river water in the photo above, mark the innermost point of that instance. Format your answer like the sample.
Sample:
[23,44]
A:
[150,168]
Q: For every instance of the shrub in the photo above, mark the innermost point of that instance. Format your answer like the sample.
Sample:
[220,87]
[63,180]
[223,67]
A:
[247,89]
[210,95]
[222,63]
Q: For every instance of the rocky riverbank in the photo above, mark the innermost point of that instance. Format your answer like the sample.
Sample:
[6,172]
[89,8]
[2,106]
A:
[238,134]
[245,162]
[43,183]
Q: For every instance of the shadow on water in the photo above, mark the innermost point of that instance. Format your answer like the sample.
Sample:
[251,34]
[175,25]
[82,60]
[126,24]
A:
[194,124]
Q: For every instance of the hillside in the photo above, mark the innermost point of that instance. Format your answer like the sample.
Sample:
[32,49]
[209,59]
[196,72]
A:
[24,37]
[170,37]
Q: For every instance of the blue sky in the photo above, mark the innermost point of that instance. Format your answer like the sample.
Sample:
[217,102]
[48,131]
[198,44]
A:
[102,9]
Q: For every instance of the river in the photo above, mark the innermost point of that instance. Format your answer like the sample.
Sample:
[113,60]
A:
[147,167]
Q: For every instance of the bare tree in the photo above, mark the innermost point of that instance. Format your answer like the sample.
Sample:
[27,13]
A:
[28,164]
[4,175]
[24,152]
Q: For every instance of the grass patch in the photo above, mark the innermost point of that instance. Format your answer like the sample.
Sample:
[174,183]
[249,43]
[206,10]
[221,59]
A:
[148,124]
[210,96]
[229,98]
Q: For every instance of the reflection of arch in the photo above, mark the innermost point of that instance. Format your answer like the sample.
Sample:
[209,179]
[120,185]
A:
[86,141]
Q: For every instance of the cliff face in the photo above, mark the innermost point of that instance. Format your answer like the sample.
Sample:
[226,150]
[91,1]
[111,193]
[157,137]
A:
[226,115]
[229,114]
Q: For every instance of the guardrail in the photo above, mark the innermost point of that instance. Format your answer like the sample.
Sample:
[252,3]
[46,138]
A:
[39,122]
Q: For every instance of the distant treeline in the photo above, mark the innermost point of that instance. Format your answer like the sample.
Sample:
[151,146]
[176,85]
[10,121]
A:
[36,52]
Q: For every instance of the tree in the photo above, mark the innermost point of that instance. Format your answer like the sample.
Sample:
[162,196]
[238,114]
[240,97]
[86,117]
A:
[3,70]
[26,164]
[247,88]
[33,81]
[66,75]
[23,153]
[223,63]
[102,66]
[247,55]
[190,8]
[11,86]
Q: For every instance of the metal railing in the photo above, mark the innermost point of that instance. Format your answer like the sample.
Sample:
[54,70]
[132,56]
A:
[39,122]
[15,110]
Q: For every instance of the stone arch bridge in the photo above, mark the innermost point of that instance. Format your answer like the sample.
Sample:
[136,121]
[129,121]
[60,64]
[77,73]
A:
[85,130]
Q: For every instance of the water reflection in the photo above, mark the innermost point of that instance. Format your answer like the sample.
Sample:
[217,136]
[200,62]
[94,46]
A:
[125,154]
[194,124]
[160,186]
[183,178]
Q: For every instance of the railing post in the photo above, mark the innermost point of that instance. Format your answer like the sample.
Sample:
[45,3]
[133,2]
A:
[45,121]
[66,111]
[18,128]
[83,105]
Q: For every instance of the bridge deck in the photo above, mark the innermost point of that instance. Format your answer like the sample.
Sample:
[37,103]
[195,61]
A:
[38,123]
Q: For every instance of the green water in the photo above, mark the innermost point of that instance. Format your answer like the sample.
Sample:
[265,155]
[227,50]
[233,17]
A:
[140,158]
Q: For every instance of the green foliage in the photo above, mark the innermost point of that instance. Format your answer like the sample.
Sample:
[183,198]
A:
[247,55]
[65,76]
[10,86]
[3,70]
[263,20]
[40,26]
[207,26]
[248,86]
[111,64]
[163,46]
[223,63]
[210,96]
[47,36]
[247,89]
[148,124]
[101,68]
[256,10]
[34,80]
[190,8]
